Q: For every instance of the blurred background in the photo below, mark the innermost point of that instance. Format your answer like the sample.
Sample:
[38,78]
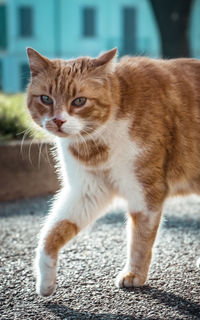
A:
[65,29]
[72,28]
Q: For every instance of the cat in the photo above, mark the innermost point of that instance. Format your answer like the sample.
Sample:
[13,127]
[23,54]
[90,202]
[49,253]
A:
[129,128]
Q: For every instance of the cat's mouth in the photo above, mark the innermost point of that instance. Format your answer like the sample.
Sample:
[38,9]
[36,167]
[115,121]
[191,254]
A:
[61,133]
[58,132]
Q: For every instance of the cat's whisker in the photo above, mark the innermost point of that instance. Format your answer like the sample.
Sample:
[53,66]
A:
[84,145]
[92,138]
[40,152]
[95,143]
[18,134]
[29,151]
[47,155]
[26,132]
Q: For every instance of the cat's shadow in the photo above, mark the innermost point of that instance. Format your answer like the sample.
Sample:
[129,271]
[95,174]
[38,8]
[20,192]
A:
[167,299]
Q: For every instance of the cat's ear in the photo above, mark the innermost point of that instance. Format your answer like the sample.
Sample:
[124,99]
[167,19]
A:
[37,62]
[106,60]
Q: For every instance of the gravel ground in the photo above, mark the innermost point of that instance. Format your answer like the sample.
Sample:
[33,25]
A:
[90,263]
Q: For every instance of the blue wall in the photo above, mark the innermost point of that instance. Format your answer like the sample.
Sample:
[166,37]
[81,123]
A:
[58,32]
[194,29]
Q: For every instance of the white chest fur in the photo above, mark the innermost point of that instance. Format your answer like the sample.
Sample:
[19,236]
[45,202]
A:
[119,168]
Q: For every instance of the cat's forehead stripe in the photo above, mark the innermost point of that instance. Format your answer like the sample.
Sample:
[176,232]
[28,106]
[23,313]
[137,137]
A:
[56,80]
[82,65]
[68,70]
[50,89]
[64,80]
[64,73]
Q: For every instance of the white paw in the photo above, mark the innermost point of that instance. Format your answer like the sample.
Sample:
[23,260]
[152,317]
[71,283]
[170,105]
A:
[198,263]
[129,280]
[45,268]
[45,287]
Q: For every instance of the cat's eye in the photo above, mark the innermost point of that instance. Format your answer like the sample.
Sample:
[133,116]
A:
[46,100]
[79,102]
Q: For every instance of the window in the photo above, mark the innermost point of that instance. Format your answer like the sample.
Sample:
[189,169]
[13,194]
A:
[25,21]
[1,75]
[89,19]
[3,27]
[24,76]
[129,30]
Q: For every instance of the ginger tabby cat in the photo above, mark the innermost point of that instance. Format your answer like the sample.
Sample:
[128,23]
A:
[129,128]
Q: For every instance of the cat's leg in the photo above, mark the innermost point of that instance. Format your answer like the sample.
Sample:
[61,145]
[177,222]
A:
[145,198]
[142,228]
[68,216]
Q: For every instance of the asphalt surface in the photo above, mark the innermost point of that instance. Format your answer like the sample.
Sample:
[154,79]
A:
[89,264]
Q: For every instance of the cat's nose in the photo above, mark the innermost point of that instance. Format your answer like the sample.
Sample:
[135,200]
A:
[58,122]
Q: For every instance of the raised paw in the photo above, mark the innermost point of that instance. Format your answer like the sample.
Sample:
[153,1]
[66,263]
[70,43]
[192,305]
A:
[129,280]
[46,288]
[45,268]
[46,281]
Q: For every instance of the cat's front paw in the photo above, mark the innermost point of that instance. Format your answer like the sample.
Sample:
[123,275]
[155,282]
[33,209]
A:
[129,280]
[46,281]
[45,268]
[45,287]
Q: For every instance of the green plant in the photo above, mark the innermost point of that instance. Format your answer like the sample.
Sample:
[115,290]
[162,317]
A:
[15,120]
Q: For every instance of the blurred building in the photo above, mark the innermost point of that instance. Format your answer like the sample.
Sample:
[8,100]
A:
[69,28]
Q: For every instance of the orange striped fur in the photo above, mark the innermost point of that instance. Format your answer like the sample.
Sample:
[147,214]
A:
[129,128]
